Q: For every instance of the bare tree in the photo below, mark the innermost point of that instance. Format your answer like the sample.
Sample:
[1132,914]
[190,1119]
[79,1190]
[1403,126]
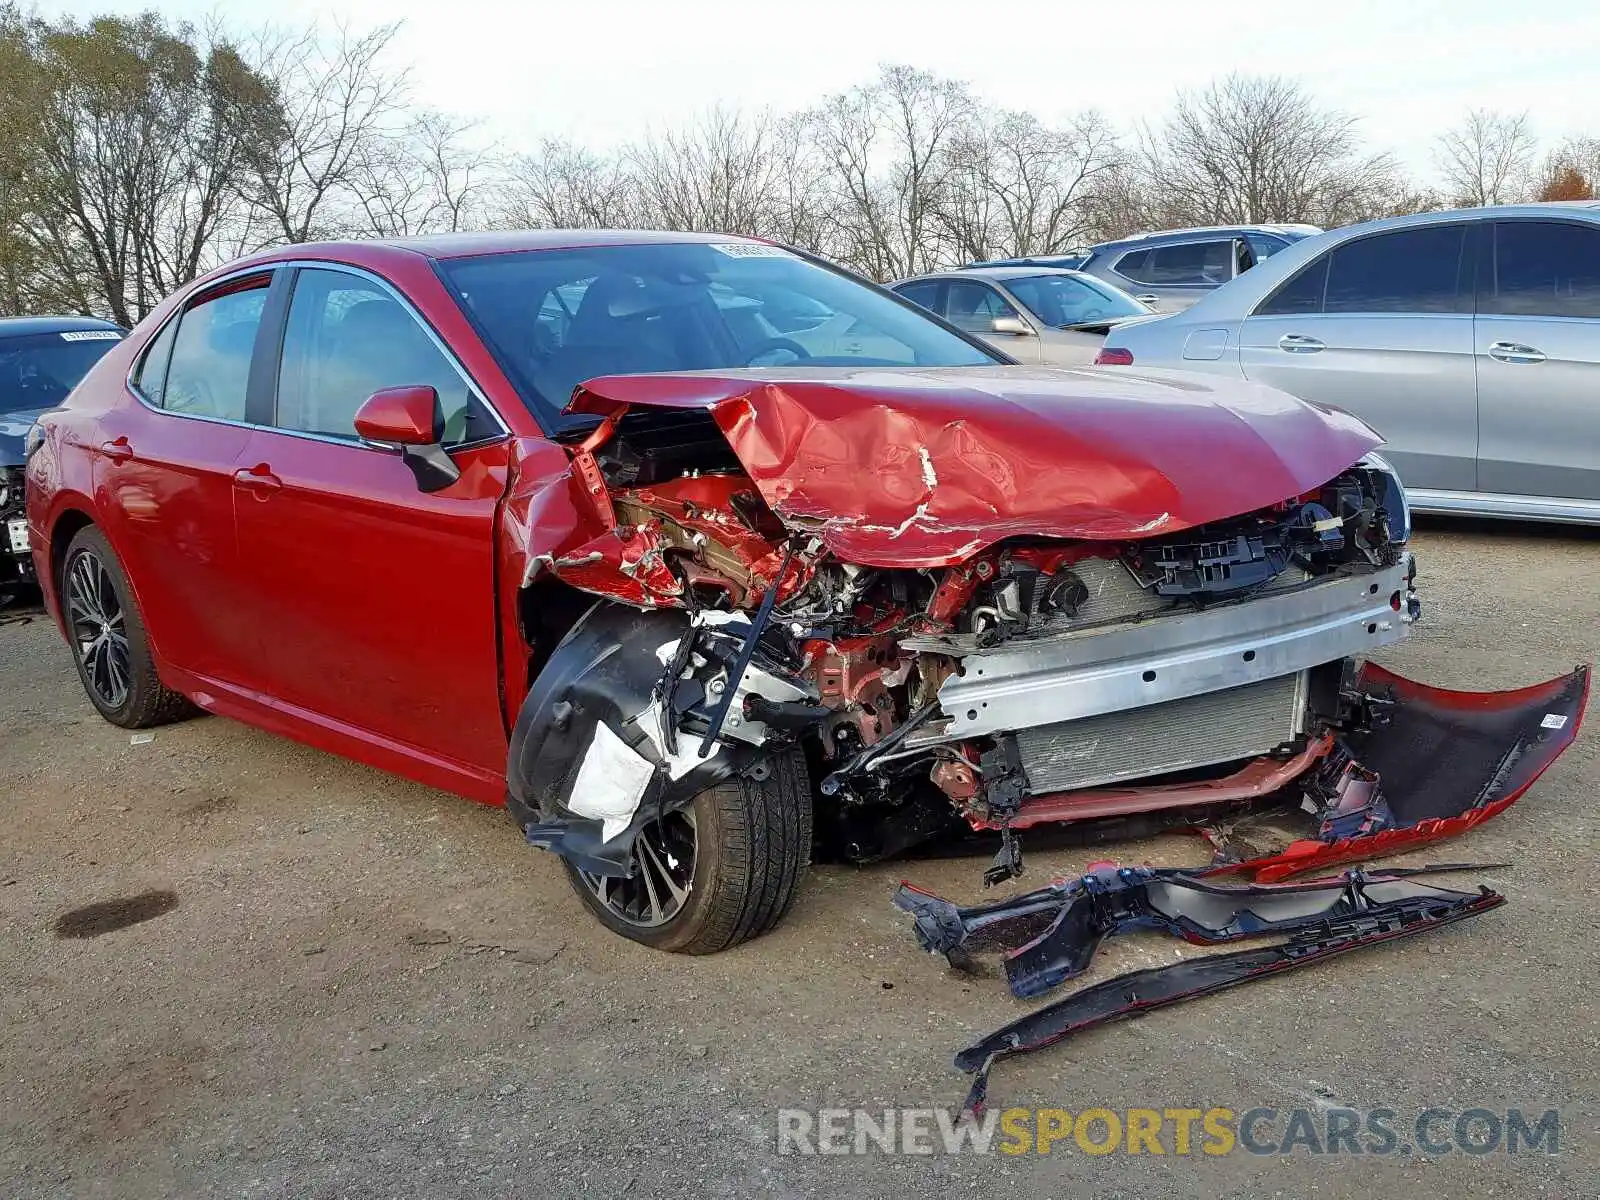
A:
[428,178]
[1019,187]
[887,145]
[561,185]
[1258,148]
[337,102]
[1488,158]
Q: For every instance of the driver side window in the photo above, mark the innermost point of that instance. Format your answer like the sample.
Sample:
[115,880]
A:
[347,337]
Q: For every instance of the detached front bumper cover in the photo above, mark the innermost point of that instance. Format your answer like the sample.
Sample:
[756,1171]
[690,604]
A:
[1139,991]
[1429,763]
[1051,935]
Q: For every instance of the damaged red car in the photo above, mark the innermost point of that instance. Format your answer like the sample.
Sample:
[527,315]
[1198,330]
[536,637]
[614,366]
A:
[703,556]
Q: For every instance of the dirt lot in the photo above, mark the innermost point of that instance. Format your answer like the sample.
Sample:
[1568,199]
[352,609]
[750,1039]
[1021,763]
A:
[366,988]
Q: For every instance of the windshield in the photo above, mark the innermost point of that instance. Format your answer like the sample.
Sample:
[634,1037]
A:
[1065,300]
[38,370]
[554,318]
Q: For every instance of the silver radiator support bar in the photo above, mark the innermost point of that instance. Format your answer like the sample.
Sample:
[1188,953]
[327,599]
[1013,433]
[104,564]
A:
[1026,683]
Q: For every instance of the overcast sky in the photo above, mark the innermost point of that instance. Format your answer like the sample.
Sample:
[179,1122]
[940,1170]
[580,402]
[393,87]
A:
[605,70]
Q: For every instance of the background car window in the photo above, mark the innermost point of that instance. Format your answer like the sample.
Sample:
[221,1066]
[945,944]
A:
[1301,294]
[1064,300]
[347,338]
[925,293]
[1544,269]
[974,306]
[209,372]
[1409,271]
[1264,246]
[1191,262]
[40,370]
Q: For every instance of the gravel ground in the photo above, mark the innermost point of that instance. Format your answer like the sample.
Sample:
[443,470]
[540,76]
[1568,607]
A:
[361,987]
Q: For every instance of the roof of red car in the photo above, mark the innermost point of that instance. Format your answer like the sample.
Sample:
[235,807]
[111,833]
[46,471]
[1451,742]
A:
[460,245]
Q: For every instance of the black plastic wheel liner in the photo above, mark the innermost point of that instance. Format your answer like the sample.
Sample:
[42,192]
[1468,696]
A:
[604,671]
[1140,991]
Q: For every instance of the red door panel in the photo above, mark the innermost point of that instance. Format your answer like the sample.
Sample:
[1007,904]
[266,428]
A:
[164,489]
[374,603]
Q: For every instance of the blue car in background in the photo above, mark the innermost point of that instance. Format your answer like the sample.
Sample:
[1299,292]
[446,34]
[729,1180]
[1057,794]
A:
[41,361]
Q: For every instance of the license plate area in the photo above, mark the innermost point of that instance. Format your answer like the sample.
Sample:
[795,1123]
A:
[17,535]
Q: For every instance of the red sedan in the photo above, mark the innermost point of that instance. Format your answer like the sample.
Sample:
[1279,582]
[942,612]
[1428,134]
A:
[700,553]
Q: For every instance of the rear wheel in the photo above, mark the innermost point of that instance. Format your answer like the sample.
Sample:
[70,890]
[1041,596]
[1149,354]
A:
[719,872]
[109,642]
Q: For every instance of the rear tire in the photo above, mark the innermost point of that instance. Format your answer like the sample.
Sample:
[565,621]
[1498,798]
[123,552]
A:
[751,842]
[109,643]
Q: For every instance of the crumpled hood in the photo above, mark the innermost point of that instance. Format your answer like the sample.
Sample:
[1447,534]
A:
[923,467]
[14,426]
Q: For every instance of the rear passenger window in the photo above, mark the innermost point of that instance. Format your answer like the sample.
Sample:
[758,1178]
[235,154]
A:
[209,369]
[1190,263]
[925,294]
[1408,271]
[1544,269]
[150,377]
[1301,294]
[346,338]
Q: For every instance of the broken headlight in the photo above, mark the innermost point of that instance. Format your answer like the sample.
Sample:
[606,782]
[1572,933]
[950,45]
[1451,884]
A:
[1391,496]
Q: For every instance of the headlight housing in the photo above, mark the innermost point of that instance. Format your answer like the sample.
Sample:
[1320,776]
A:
[1391,494]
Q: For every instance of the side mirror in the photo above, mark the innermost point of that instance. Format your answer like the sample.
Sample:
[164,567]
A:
[401,416]
[1012,325]
[410,419]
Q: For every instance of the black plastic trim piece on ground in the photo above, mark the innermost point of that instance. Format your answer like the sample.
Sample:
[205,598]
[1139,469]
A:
[1140,991]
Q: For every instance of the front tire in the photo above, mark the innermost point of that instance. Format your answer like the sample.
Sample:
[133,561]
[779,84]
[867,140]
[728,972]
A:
[722,871]
[109,643]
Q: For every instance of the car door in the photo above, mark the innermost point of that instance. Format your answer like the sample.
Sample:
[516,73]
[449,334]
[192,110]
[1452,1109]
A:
[974,307]
[1537,342]
[375,602]
[1381,326]
[1175,275]
[164,478]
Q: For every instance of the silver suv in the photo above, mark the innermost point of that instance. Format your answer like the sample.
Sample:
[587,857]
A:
[1175,267]
[1469,339]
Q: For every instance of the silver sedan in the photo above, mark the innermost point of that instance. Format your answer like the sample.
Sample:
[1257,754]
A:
[1034,314]
[1469,339]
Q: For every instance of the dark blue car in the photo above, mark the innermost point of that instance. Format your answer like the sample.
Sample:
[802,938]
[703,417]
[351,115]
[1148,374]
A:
[41,361]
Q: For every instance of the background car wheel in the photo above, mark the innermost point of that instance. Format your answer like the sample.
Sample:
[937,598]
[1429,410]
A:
[108,638]
[722,871]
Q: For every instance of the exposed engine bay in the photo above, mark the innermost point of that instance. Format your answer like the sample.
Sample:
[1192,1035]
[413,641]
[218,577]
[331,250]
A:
[948,670]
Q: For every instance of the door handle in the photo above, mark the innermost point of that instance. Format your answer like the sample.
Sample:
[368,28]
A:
[1300,343]
[1148,298]
[1514,352]
[117,451]
[258,479]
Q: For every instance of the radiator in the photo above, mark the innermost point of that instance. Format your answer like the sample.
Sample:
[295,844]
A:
[1196,731]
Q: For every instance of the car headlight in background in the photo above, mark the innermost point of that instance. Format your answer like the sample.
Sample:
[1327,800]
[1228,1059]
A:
[1392,494]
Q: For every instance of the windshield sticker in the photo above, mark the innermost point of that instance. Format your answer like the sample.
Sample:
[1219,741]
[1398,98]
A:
[750,250]
[91,335]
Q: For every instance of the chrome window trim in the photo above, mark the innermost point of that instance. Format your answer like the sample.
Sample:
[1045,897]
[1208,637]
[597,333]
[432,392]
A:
[320,265]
